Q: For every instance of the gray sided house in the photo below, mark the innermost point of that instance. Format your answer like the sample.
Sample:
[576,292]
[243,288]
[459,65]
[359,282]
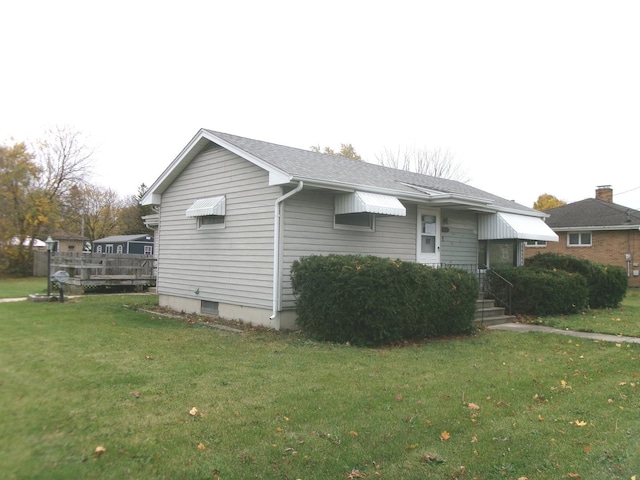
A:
[141,244]
[234,213]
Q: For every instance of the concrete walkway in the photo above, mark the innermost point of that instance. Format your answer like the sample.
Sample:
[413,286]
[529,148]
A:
[525,327]
[6,300]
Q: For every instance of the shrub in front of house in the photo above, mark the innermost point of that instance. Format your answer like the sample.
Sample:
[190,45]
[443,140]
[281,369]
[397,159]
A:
[607,284]
[539,291]
[368,300]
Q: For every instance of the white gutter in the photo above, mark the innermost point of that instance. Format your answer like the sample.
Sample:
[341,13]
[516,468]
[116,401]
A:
[276,246]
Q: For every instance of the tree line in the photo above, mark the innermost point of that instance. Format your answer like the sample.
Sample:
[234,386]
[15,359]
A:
[45,187]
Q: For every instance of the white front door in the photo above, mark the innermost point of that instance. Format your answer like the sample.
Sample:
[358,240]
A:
[428,242]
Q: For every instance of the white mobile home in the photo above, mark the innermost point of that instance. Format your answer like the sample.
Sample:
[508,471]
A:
[234,213]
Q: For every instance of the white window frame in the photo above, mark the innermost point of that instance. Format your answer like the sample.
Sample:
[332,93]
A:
[579,244]
[535,243]
[362,228]
[210,226]
[99,249]
[148,249]
[108,248]
[119,249]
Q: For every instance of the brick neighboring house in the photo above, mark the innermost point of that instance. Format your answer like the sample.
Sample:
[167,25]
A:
[596,229]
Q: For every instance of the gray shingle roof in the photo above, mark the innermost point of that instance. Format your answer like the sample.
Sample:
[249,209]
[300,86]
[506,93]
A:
[124,238]
[334,169]
[592,212]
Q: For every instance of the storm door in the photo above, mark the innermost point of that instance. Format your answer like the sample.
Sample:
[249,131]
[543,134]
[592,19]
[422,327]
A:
[428,241]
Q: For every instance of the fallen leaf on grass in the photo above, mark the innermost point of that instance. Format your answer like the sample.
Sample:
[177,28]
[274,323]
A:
[135,394]
[573,475]
[431,458]
[444,436]
[579,423]
[99,450]
[193,412]
[473,406]
[353,433]
[355,474]
[201,447]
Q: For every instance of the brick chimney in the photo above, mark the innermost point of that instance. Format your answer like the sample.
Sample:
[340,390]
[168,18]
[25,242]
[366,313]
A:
[604,193]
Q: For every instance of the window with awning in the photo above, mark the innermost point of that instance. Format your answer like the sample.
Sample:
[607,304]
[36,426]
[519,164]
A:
[502,226]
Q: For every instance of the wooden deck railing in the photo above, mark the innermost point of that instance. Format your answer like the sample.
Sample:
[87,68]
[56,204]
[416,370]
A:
[90,265]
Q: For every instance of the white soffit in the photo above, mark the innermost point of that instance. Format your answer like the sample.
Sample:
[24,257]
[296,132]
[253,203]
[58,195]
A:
[363,202]
[207,206]
[501,226]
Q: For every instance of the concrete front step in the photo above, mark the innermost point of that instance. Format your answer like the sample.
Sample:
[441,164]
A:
[488,314]
[494,320]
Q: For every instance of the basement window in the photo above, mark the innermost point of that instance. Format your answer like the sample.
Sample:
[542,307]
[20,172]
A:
[579,239]
[211,308]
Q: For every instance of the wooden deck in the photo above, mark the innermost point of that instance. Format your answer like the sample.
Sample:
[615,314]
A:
[94,270]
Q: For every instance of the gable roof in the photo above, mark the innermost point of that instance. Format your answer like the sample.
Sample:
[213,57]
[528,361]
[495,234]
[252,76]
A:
[289,165]
[125,238]
[593,214]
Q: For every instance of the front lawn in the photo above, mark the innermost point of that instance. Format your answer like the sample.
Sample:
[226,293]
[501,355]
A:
[22,287]
[619,321]
[94,389]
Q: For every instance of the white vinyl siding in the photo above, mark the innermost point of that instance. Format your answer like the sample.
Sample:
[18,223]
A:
[232,265]
[308,221]
[459,245]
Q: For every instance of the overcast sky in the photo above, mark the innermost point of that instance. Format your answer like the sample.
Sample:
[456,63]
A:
[529,97]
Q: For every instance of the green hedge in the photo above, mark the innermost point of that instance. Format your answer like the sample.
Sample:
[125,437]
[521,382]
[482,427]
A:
[368,300]
[546,292]
[607,284]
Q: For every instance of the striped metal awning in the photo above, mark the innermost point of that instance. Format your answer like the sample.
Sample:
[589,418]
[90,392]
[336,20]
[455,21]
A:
[501,226]
[363,202]
[207,206]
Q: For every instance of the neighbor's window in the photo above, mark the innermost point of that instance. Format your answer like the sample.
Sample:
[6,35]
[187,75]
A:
[579,239]
[148,249]
[215,221]
[119,249]
[99,249]
[536,243]
[359,221]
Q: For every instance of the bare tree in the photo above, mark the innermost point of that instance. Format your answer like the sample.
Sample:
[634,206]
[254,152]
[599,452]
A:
[436,162]
[65,160]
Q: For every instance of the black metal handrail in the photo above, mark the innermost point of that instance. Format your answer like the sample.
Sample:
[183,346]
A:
[492,284]
[499,288]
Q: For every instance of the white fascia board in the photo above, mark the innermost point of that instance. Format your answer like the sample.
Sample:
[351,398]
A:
[596,229]
[400,194]
[278,178]
[279,174]
[153,196]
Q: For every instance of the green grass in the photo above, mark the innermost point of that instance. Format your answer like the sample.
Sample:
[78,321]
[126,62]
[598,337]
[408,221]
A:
[94,372]
[22,287]
[620,321]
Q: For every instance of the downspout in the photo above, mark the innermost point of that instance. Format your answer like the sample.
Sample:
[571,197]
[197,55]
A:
[276,247]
